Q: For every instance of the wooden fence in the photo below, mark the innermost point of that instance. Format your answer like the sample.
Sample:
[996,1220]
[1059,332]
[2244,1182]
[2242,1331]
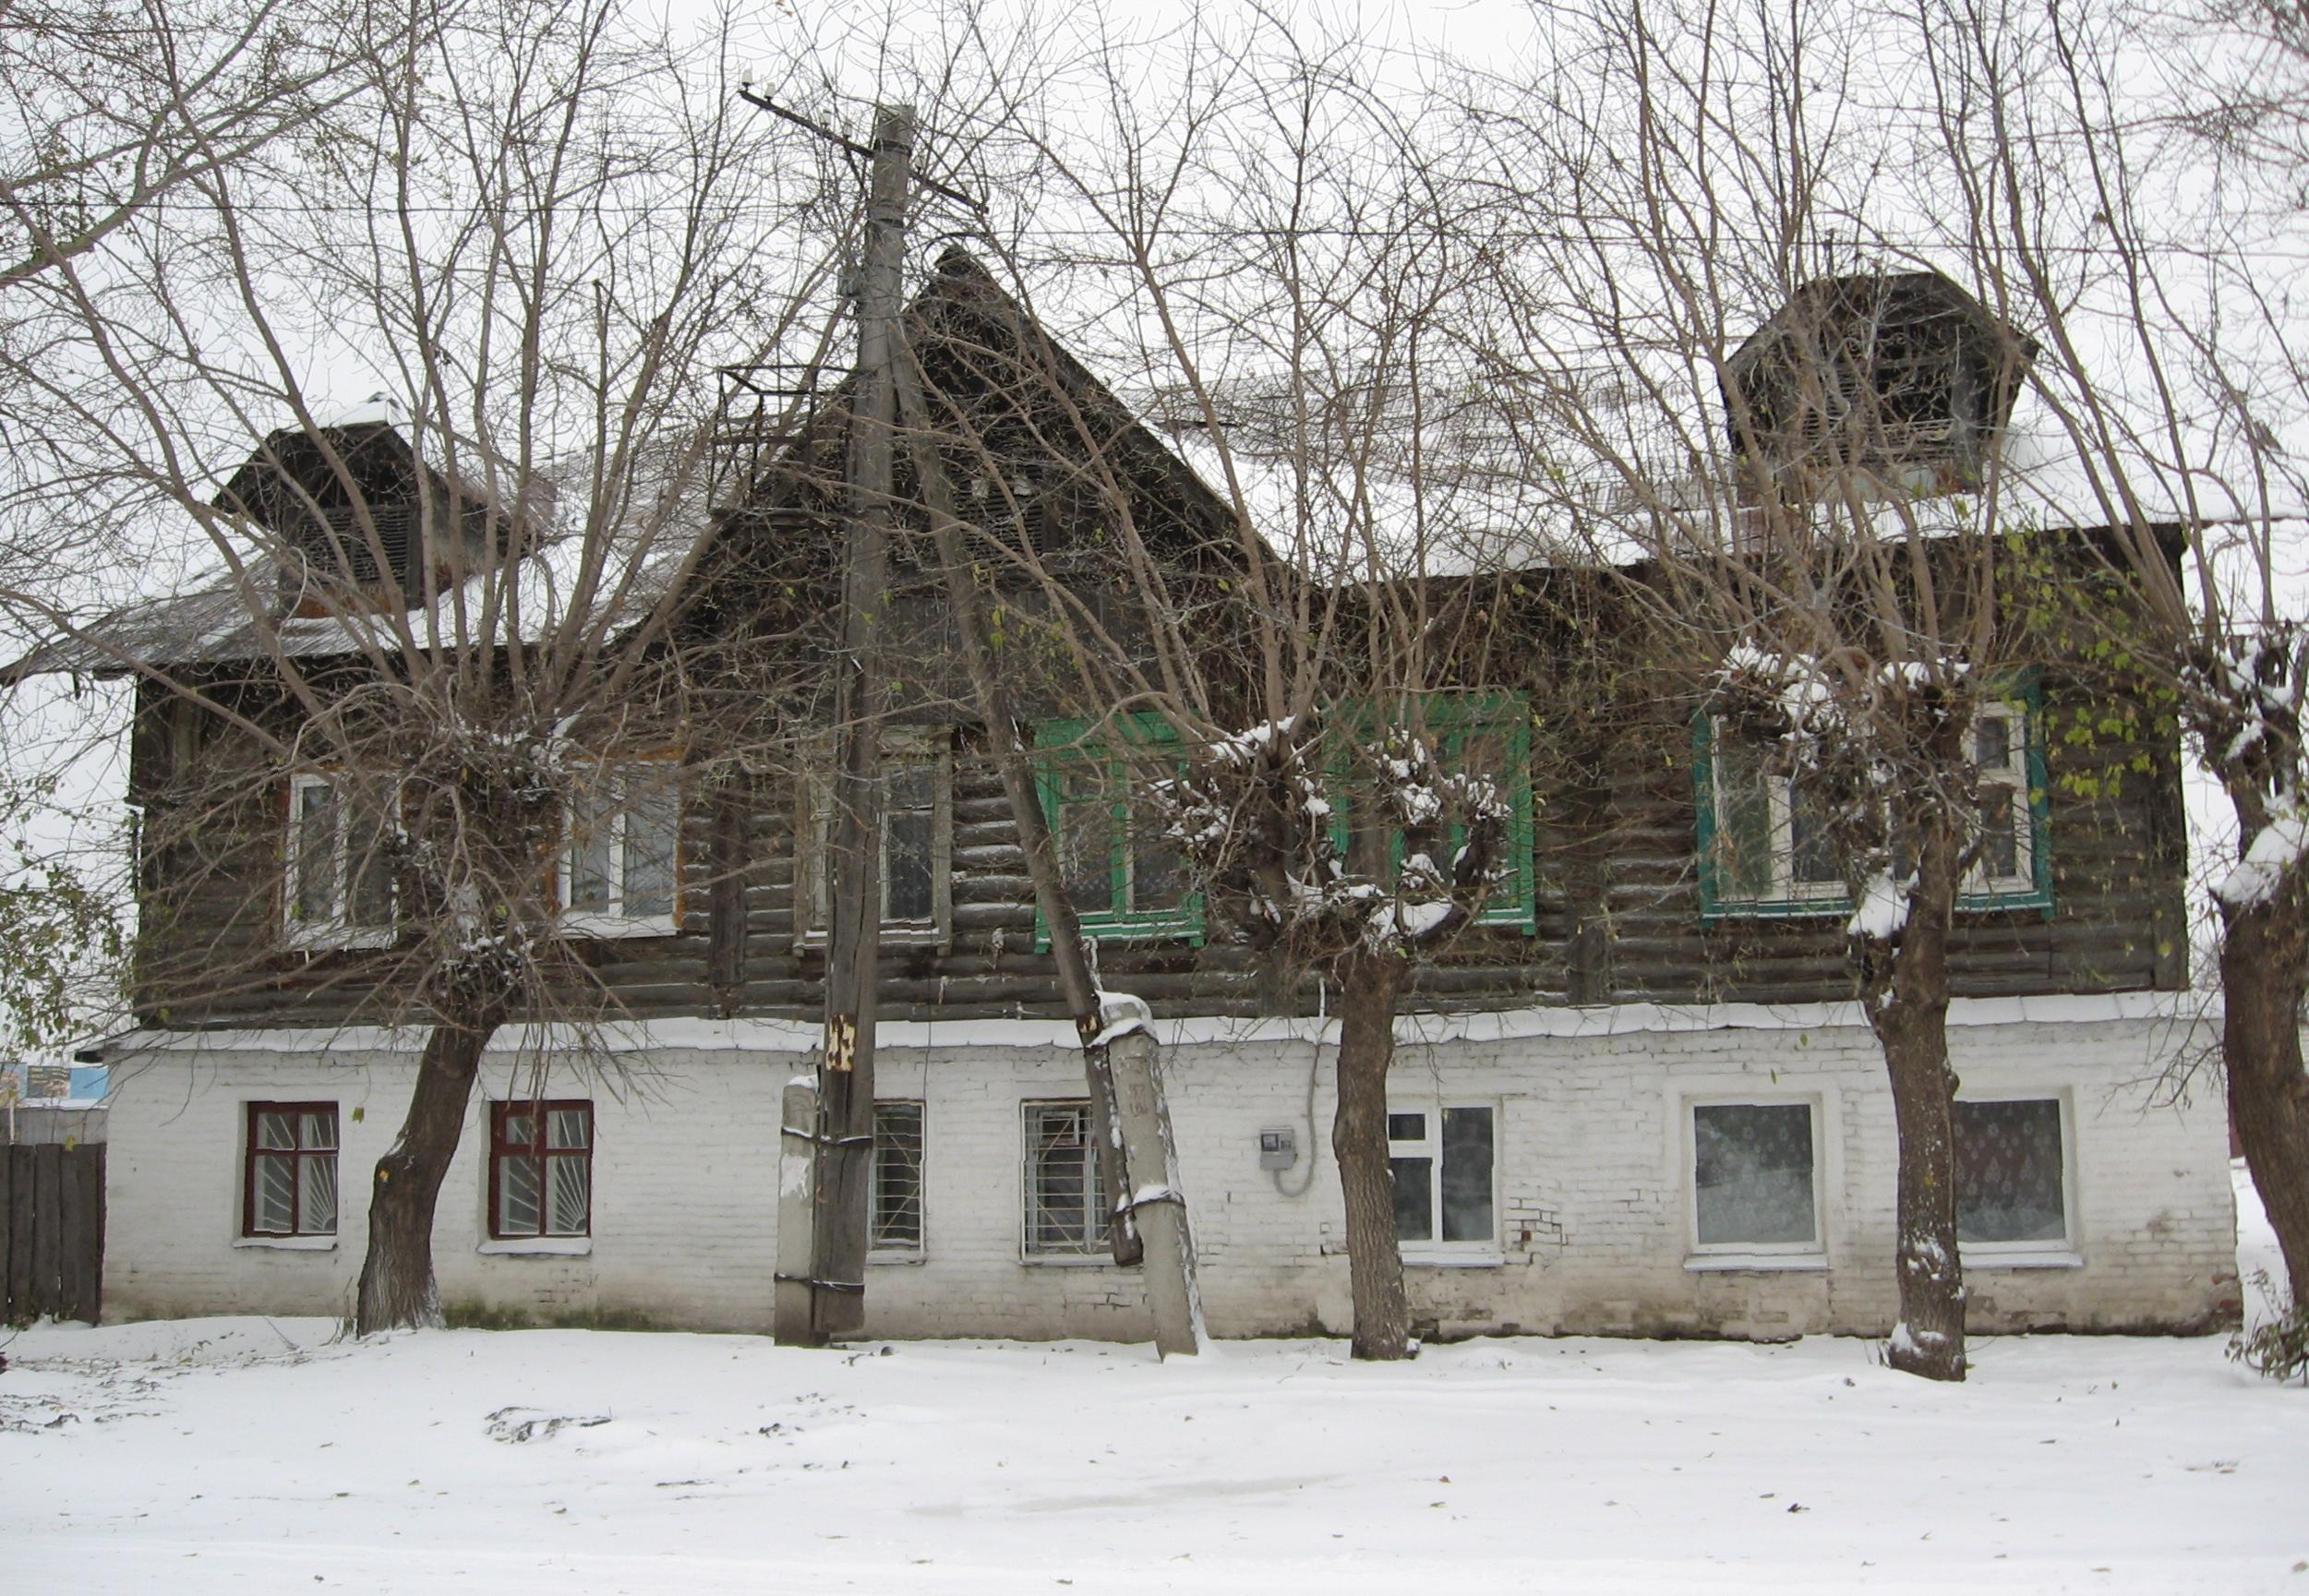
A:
[51,1227]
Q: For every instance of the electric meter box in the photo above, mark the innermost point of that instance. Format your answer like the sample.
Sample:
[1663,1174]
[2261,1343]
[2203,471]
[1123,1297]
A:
[1278,1147]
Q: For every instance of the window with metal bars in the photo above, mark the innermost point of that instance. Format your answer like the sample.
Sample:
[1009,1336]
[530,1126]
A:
[897,1178]
[1065,1201]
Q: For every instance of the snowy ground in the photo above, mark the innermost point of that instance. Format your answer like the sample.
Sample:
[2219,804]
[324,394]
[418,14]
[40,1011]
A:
[252,1456]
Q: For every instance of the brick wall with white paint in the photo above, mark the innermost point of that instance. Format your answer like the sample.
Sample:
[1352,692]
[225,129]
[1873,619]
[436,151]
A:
[1593,1186]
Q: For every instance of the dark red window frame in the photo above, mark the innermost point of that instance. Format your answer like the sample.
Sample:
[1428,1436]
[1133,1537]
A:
[253,1150]
[538,1112]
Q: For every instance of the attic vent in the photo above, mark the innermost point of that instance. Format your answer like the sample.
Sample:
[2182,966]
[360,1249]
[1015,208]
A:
[342,545]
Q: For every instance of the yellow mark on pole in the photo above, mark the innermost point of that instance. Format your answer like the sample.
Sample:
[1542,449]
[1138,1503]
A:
[841,1043]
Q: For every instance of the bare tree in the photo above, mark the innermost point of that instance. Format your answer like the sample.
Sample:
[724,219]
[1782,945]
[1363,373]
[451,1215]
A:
[1759,389]
[436,675]
[1316,694]
[2143,236]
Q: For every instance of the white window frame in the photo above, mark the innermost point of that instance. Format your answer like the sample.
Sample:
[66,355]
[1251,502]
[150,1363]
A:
[2064,1252]
[1831,895]
[1094,1249]
[334,930]
[613,921]
[1760,1255]
[812,877]
[1438,1252]
[900,1252]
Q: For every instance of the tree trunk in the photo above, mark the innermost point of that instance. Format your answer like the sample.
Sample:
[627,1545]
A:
[1368,983]
[1908,1009]
[2264,966]
[397,1288]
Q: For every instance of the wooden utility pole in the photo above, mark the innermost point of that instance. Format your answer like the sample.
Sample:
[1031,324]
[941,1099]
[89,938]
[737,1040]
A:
[845,1079]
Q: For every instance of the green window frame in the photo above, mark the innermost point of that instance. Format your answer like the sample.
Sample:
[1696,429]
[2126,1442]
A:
[1767,879]
[1084,774]
[1454,721]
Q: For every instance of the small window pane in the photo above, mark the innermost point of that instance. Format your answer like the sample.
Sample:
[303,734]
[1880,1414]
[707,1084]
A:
[1158,875]
[1743,804]
[1414,1201]
[908,880]
[276,1130]
[569,1182]
[1085,842]
[316,845]
[518,1193]
[520,1129]
[2000,838]
[1753,1173]
[592,839]
[2008,1183]
[569,1127]
[316,1130]
[1992,742]
[370,862]
[1812,856]
[316,1194]
[1467,1174]
[652,823]
[276,1194]
[1406,1127]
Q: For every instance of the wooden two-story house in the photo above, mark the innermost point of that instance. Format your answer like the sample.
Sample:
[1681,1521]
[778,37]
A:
[1635,1097]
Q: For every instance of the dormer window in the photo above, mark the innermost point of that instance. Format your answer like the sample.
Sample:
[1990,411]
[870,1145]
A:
[358,519]
[1899,384]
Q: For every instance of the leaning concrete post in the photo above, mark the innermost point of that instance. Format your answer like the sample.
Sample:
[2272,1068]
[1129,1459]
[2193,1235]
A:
[790,1321]
[1156,1199]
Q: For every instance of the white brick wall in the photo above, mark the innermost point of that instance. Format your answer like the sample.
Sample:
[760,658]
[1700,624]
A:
[1592,1185]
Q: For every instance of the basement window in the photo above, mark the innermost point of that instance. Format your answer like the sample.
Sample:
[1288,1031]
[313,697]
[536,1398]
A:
[541,1169]
[2013,1178]
[1065,1208]
[1442,1160]
[897,1178]
[290,1184]
[1755,1183]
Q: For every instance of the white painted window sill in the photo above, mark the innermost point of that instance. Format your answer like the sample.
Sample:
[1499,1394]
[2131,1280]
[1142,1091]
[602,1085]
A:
[894,1255]
[1755,1263]
[288,1243]
[608,928]
[2029,1259]
[327,939]
[890,936]
[538,1247]
[1067,1260]
[1453,1260]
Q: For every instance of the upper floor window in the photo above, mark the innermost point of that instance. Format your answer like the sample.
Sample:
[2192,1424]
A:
[340,879]
[620,851]
[1123,872]
[1485,735]
[917,841]
[1763,831]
